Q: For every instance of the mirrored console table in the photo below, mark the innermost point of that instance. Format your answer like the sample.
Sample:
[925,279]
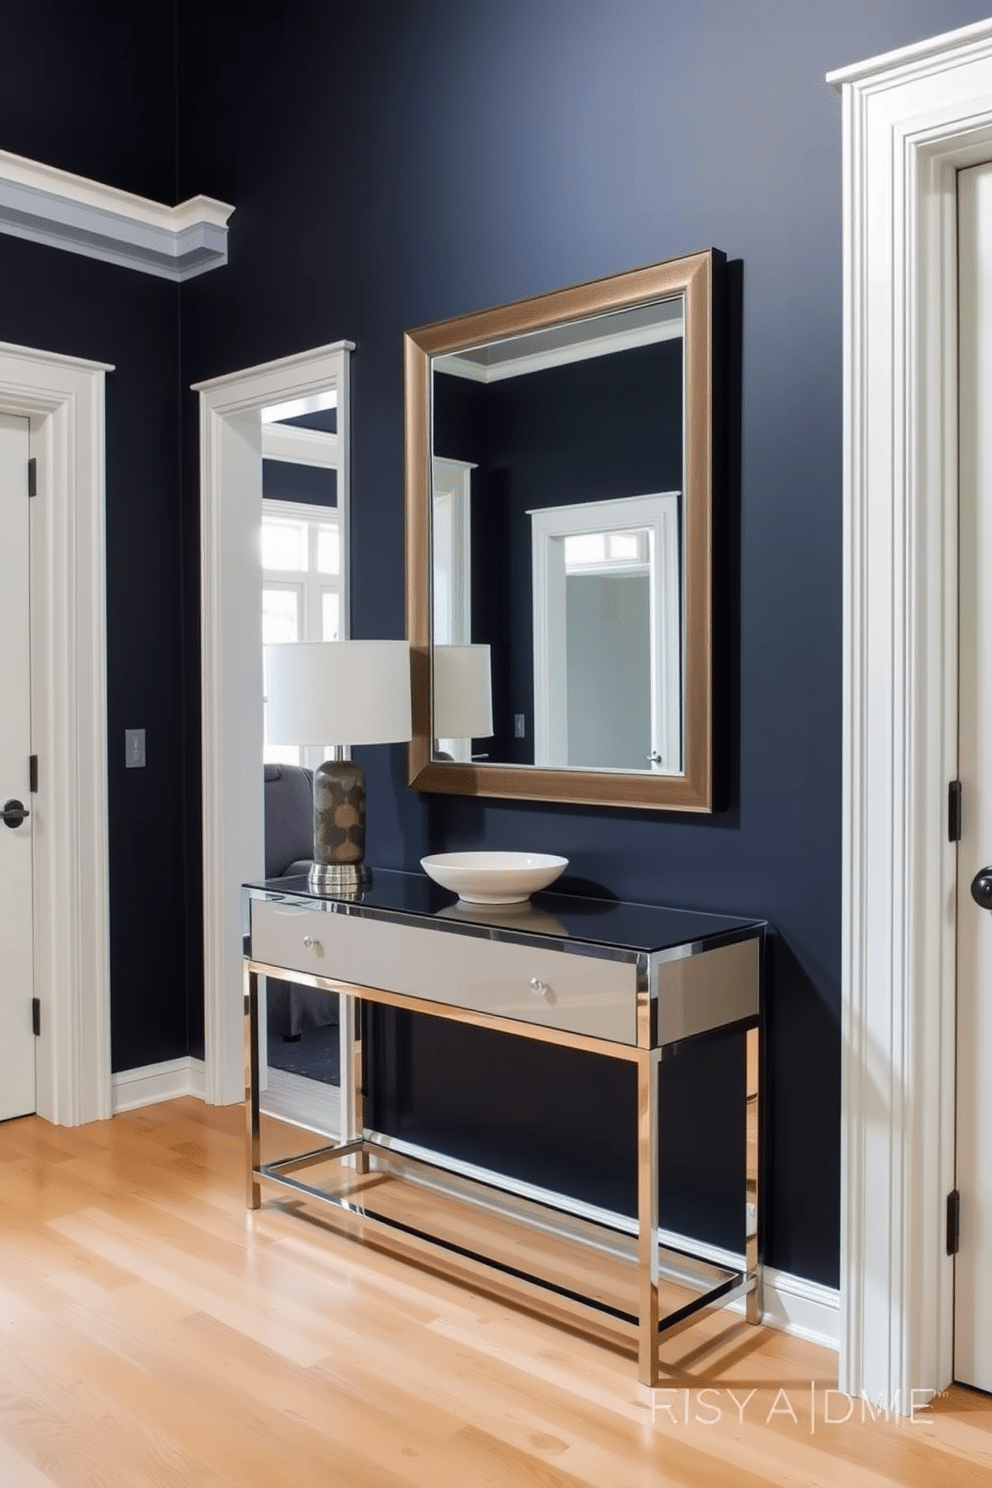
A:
[624,981]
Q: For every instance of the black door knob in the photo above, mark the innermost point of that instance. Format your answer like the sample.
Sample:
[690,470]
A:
[981,888]
[13,813]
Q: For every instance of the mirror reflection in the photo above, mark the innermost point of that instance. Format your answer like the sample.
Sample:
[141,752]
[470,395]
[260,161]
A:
[557,464]
[562,454]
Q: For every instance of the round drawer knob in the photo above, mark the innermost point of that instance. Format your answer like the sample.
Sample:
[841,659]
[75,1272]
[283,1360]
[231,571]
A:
[310,943]
[538,987]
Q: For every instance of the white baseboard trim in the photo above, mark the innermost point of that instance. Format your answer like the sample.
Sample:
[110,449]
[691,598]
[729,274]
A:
[804,1309]
[158,1082]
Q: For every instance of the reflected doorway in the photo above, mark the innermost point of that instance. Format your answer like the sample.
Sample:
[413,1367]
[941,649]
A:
[303,576]
[607,635]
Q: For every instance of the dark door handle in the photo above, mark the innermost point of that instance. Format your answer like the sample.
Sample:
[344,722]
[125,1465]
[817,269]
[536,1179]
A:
[13,813]
[981,888]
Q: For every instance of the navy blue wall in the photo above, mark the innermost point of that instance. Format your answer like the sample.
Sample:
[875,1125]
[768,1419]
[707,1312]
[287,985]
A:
[396,163]
[404,161]
[91,89]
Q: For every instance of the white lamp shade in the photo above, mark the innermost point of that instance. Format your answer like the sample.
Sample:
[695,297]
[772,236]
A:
[463,692]
[338,692]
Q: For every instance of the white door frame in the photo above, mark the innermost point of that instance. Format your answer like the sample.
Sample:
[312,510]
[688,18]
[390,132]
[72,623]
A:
[231,662]
[63,397]
[911,119]
[451,569]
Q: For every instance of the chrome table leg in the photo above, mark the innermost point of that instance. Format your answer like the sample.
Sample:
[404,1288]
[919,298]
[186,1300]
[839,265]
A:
[253,1146]
[647,1216]
[352,1079]
[752,1257]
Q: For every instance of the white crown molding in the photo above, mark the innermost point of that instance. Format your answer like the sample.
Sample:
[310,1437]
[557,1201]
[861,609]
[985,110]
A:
[46,205]
[911,119]
[262,387]
[918,59]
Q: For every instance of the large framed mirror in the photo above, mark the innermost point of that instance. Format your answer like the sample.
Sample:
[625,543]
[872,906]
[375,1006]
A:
[560,457]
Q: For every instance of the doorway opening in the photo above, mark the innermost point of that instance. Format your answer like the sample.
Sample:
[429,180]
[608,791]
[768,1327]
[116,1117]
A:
[231,452]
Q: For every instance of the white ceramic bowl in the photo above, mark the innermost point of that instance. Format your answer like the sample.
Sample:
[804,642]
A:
[493,877]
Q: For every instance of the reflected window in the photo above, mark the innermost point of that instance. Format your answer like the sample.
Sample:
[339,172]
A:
[284,544]
[330,603]
[281,612]
[301,599]
[328,548]
[606,550]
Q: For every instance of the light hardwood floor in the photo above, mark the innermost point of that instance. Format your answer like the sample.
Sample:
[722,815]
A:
[154,1333]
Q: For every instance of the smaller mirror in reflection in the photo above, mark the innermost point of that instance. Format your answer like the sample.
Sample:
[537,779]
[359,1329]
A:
[557,532]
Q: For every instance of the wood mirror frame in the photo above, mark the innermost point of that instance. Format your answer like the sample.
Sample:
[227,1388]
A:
[698,278]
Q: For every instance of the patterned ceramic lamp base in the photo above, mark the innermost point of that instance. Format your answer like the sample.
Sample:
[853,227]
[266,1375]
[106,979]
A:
[338,827]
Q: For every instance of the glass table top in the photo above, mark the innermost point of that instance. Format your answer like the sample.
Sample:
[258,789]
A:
[606,922]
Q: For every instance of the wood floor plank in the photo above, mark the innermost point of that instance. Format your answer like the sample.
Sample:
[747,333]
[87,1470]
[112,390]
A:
[154,1333]
[255,1317]
[17,1470]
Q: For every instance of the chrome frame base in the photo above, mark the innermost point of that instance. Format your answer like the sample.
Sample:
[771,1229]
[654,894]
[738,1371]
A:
[357,1147]
[731,1284]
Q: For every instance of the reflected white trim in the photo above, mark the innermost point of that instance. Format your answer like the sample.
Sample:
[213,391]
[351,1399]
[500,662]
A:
[296,446]
[462,364]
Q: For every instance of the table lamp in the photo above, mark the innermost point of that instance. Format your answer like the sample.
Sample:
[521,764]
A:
[462,692]
[323,693]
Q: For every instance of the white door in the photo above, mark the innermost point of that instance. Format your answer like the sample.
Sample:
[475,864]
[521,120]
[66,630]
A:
[973,1267]
[611,542]
[17,1045]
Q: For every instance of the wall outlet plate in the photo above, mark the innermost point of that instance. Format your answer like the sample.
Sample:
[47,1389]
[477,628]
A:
[134,749]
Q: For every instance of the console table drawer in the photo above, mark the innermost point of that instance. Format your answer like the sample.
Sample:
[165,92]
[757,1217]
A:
[590,995]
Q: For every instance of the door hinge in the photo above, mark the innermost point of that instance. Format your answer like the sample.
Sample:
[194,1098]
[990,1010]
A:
[33,774]
[953,1222]
[36,1016]
[32,477]
[954,811]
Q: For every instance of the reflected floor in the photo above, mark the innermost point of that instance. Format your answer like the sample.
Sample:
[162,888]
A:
[302,1080]
[316,1054]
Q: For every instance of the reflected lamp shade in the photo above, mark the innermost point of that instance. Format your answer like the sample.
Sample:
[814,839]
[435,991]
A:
[463,692]
[324,693]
